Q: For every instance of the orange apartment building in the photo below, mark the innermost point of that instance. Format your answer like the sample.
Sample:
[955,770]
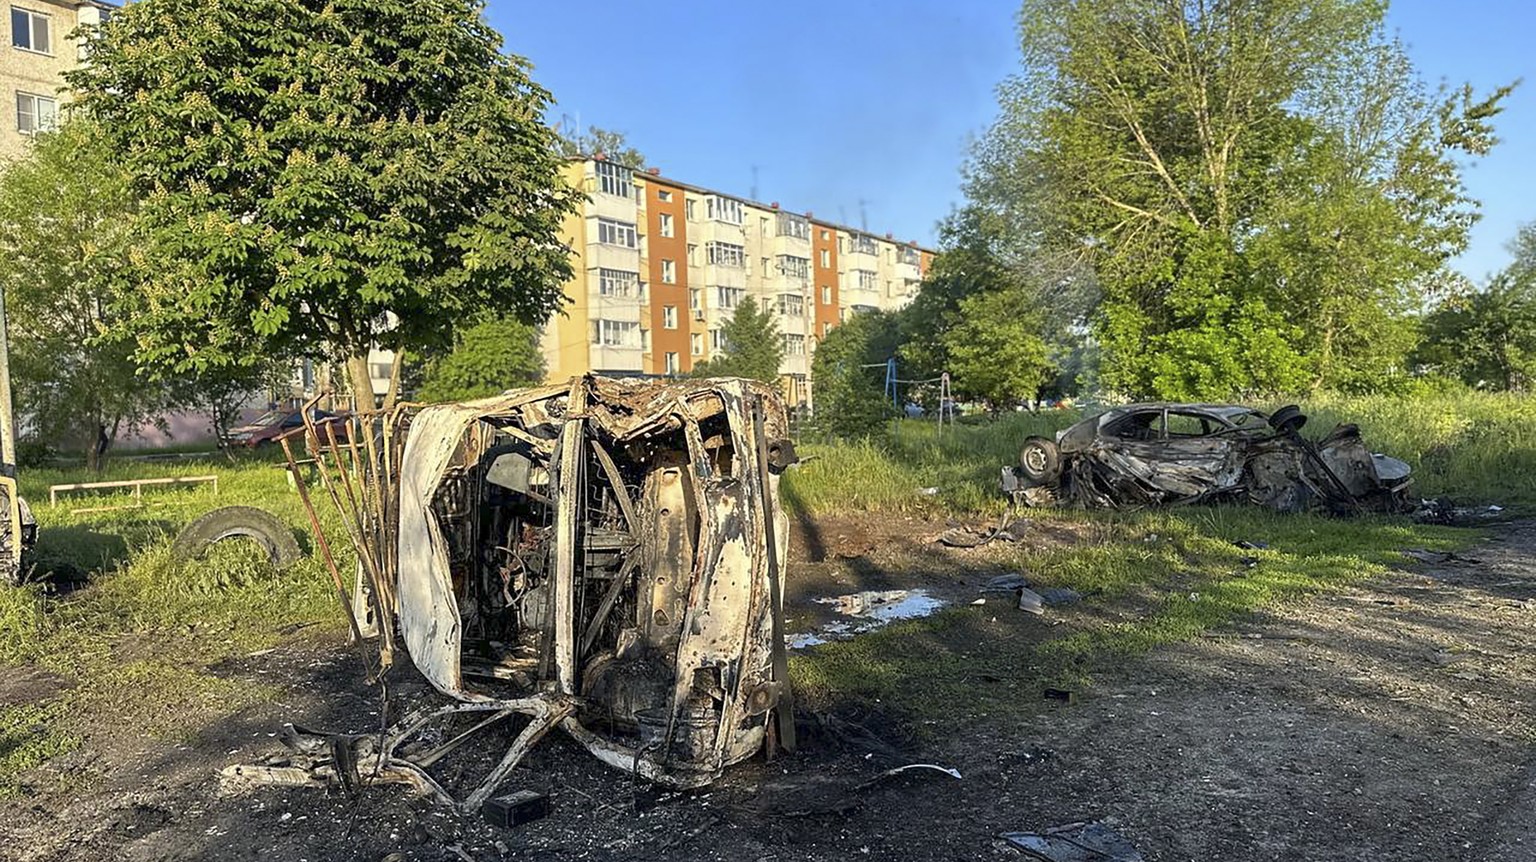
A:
[660,266]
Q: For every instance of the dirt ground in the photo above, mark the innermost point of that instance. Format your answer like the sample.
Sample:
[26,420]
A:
[1391,721]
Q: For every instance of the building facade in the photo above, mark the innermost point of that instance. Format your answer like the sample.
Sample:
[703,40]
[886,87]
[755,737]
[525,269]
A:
[33,60]
[660,266]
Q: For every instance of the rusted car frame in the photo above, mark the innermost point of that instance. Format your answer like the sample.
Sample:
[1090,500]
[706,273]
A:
[605,558]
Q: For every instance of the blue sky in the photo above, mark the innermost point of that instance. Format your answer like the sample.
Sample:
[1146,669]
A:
[863,109]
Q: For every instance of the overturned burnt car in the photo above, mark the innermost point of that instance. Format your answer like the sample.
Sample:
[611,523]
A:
[605,558]
[1161,454]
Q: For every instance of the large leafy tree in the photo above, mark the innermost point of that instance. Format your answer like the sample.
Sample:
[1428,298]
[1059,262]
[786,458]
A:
[995,350]
[489,357]
[848,372]
[64,215]
[753,346]
[1487,338]
[1262,189]
[322,176]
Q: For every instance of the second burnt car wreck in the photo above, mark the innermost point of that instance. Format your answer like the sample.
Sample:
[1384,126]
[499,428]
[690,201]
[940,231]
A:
[604,558]
[1168,454]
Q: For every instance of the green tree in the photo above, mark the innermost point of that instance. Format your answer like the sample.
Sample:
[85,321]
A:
[64,215]
[614,146]
[487,358]
[1263,190]
[995,350]
[848,371]
[322,176]
[753,346]
[1487,338]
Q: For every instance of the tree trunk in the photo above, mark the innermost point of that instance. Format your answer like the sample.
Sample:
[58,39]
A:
[392,394]
[361,382]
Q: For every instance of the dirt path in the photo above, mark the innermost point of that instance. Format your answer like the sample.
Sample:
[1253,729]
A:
[1388,722]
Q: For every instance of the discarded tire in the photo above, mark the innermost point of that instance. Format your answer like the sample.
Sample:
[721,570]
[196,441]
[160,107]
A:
[1040,460]
[248,522]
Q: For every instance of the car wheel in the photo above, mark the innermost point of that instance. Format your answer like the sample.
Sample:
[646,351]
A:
[1040,460]
[1288,419]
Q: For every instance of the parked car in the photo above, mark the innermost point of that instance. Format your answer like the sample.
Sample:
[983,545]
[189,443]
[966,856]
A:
[1149,454]
[276,423]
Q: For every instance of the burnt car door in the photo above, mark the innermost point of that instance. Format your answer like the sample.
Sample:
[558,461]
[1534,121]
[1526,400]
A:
[1162,454]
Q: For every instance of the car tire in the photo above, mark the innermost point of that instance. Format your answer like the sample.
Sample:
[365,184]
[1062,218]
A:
[1288,419]
[249,522]
[1040,460]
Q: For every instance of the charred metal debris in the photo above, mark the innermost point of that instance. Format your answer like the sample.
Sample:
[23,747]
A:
[1171,454]
[604,558]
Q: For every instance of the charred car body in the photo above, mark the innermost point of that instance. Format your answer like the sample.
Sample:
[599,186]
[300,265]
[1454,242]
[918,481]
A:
[1151,454]
[604,558]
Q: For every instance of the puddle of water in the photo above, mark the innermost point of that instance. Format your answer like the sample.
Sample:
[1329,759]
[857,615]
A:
[865,612]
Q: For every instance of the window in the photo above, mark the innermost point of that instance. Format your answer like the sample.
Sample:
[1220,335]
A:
[909,256]
[615,333]
[610,232]
[726,254]
[29,31]
[617,282]
[795,226]
[615,179]
[794,345]
[668,271]
[695,299]
[673,366]
[862,244]
[723,209]
[717,340]
[765,267]
[795,267]
[826,295]
[866,279]
[696,344]
[663,195]
[693,254]
[762,226]
[36,113]
[791,304]
[825,236]
[826,258]
[729,297]
[664,224]
[669,317]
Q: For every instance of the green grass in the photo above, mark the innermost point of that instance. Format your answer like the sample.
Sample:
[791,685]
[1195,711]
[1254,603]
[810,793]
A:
[1154,577]
[138,641]
[1476,448]
[1149,579]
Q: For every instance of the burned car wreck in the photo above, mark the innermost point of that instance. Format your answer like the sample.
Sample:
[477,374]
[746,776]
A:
[1164,454]
[605,558]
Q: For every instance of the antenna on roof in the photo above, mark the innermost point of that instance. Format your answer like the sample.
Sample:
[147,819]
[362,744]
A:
[863,215]
[754,182]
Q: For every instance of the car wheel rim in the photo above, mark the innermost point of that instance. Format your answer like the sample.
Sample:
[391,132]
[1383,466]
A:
[1034,459]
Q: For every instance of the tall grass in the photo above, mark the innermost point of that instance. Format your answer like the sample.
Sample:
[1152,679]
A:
[1472,447]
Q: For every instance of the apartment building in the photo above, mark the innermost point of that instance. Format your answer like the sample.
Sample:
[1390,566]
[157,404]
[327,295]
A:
[660,265]
[33,62]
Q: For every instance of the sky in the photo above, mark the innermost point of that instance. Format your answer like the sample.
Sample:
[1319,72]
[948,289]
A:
[862,111]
